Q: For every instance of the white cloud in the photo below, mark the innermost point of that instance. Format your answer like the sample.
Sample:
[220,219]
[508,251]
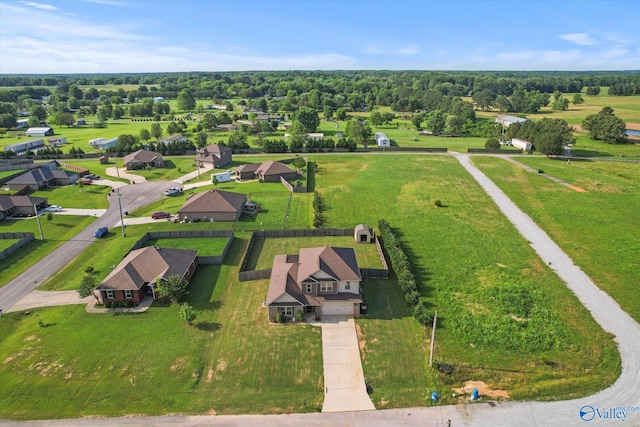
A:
[39,5]
[581,39]
[407,50]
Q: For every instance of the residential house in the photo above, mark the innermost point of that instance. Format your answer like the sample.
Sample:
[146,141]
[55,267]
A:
[22,147]
[382,140]
[227,127]
[137,274]
[213,205]
[323,280]
[507,121]
[20,205]
[315,136]
[43,177]
[269,171]
[40,131]
[22,123]
[143,159]
[215,154]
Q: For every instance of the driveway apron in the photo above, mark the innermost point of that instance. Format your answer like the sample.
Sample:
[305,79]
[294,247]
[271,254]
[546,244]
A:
[345,389]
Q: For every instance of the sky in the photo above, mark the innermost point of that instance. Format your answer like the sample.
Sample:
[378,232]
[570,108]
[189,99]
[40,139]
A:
[119,36]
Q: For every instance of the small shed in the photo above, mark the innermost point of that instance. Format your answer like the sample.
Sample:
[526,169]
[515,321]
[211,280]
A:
[363,234]
[221,177]
[104,160]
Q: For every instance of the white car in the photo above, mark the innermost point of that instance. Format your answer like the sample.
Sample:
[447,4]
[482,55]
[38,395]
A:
[172,191]
[54,208]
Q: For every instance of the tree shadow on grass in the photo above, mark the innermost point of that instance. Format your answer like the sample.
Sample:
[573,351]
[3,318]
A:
[208,326]
[422,273]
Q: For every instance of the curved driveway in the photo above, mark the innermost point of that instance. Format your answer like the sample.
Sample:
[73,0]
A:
[132,197]
[624,393]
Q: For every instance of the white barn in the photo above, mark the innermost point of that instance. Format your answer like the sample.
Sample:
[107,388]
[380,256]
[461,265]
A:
[521,144]
[382,140]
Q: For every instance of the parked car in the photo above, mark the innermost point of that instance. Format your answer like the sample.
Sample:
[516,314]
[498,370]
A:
[54,208]
[160,215]
[101,232]
[86,181]
[92,176]
[172,191]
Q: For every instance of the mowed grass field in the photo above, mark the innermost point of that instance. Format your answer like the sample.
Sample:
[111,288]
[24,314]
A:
[462,253]
[596,226]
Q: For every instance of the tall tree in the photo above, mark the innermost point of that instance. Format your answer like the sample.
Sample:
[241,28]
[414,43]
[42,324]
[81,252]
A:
[577,99]
[174,288]
[186,100]
[606,126]
[145,135]
[308,117]
[88,285]
[358,131]
[156,130]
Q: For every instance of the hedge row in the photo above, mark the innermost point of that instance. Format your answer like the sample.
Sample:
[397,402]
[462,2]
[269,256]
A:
[402,267]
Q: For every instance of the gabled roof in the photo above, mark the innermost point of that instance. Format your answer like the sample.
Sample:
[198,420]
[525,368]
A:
[271,167]
[214,149]
[8,202]
[339,263]
[249,167]
[143,156]
[511,119]
[145,265]
[283,279]
[32,176]
[214,201]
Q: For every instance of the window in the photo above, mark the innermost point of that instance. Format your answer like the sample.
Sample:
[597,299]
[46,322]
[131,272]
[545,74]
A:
[326,287]
[286,311]
[347,286]
[309,288]
[128,294]
[110,295]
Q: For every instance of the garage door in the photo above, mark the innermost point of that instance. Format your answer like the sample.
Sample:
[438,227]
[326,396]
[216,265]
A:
[337,308]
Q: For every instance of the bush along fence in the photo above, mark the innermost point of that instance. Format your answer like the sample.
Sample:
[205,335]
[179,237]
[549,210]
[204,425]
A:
[25,239]
[402,267]
[245,275]
[214,259]
[317,210]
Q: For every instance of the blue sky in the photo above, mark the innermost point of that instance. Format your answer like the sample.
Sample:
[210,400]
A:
[111,36]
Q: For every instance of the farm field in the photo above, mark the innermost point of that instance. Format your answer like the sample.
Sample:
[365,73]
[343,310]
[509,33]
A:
[596,226]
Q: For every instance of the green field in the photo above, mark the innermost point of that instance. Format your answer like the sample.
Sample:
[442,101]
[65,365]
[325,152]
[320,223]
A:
[265,249]
[74,196]
[5,243]
[205,246]
[596,227]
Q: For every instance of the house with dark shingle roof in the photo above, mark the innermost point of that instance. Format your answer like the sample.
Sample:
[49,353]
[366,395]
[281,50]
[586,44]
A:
[216,205]
[215,154]
[137,274]
[143,159]
[36,179]
[269,171]
[323,280]
[20,205]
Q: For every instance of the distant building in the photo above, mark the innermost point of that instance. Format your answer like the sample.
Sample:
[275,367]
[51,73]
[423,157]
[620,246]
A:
[218,155]
[507,121]
[40,131]
[142,159]
[158,99]
[382,140]
[173,138]
[22,147]
[54,142]
[103,144]
[22,123]
[521,144]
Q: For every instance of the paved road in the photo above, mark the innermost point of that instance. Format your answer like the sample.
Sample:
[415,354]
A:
[132,197]
[345,389]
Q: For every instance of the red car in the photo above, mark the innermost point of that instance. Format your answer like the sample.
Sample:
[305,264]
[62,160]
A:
[160,215]
[86,181]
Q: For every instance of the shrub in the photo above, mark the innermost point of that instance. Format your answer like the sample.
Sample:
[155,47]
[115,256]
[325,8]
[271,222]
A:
[438,203]
[279,317]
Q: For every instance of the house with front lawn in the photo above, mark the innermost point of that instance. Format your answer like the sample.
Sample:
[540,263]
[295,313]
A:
[20,205]
[215,154]
[143,159]
[269,171]
[323,281]
[137,274]
[43,177]
[213,205]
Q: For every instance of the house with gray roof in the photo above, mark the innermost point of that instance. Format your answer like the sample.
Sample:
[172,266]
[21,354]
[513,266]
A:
[138,273]
[322,280]
[269,171]
[507,121]
[143,159]
[39,131]
[213,205]
[20,205]
[215,154]
[43,177]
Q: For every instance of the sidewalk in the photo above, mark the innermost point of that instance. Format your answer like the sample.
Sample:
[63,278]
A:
[142,307]
[122,173]
[191,175]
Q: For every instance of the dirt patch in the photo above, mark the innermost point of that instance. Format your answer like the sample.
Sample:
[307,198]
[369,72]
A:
[483,390]
[178,364]
[382,403]
[68,376]
[578,189]
[222,365]
[209,375]
[362,344]
[633,126]
[212,412]
[31,338]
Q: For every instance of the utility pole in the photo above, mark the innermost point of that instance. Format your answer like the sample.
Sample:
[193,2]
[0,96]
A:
[433,339]
[117,171]
[38,219]
[121,217]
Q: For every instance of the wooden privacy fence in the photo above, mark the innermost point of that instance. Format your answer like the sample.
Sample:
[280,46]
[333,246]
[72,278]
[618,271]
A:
[24,239]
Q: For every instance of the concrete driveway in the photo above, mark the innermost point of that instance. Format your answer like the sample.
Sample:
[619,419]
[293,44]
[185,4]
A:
[345,389]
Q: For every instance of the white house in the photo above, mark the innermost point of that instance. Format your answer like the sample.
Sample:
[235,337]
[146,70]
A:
[102,143]
[382,140]
[521,144]
[507,121]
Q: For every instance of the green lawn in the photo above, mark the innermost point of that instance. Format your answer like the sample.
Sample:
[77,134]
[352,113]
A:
[265,249]
[462,254]
[5,243]
[57,231]
[74,196]
[230,353]
[4,174]
[205,246]
[174,167]
[597,228]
